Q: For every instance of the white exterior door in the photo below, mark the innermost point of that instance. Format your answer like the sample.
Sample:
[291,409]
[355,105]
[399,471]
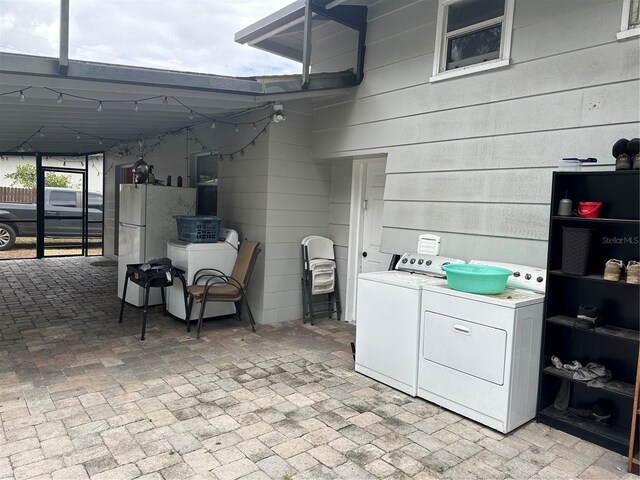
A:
[372,259]
[365,229]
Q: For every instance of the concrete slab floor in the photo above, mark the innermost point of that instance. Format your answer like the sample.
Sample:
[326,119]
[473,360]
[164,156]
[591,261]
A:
[81,396]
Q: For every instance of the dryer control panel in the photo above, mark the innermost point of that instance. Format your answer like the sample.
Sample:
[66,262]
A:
[426,264]
[523,276]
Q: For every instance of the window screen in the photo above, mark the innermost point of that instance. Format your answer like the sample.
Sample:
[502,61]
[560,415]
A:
[474,47]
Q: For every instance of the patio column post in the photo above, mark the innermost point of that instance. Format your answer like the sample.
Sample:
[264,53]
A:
[63,61]
[306,48]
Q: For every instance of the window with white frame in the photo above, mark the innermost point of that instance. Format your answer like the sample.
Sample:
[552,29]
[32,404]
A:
[630,25]
[472,35]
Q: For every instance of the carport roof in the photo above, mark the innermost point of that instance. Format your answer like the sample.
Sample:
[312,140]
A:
[191,99]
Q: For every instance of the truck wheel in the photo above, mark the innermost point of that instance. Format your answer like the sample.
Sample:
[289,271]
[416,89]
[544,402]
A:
[7,236]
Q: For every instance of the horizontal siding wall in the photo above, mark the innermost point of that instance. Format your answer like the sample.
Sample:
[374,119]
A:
[470,158]
[297,205]
[340,210]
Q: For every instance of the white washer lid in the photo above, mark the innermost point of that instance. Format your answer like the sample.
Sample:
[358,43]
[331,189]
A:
[400,279]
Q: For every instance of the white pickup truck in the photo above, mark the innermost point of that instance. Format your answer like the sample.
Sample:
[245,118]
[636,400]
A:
[19,219]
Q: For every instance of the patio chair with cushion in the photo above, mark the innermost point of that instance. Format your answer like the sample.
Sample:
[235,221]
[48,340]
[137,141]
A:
[211,285]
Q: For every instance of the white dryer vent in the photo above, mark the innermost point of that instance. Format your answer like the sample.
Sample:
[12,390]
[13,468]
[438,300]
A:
[428,244]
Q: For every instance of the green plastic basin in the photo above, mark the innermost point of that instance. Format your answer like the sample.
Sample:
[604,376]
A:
[483,279]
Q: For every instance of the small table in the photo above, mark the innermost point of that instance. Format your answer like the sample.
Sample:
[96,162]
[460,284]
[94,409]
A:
[153,277]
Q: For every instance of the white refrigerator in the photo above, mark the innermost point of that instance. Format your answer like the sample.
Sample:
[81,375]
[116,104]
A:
[146,224]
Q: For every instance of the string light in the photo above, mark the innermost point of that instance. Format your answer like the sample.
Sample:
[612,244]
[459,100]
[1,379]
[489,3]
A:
[191,115]
[213,125]
[150,147]
[254,126]
[21,97]
[165,101]
[99,106]
[60,99]
[136,107]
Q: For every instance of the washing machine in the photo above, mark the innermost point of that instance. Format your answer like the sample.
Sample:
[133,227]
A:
[480,354]
[388,311]
[192,257]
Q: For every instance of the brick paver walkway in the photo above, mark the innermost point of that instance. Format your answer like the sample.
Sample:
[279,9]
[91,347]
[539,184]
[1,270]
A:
[81,396]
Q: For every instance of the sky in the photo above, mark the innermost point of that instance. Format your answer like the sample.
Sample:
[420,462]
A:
[185,35]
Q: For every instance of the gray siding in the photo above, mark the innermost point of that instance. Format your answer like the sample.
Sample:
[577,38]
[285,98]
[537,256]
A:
[339,216]
[297,205]
[471,158]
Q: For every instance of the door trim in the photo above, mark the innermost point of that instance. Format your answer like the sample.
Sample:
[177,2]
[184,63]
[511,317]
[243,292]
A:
[356,225]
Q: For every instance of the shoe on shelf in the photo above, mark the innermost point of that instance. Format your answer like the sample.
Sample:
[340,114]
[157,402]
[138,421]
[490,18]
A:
[633,149]
[597,413]
[623,162]
[588,316]
[633,272]
[612,269]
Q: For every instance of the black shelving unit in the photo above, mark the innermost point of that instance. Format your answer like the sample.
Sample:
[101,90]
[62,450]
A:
[615,340]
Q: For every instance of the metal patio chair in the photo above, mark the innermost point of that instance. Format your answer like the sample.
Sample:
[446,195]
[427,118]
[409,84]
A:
[211,285]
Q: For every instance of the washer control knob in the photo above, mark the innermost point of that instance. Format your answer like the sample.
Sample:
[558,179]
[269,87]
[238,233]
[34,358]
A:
[539,279]
[527,276]
[413,260]
[420,262]
[404,260]
[516,274]
[429,262]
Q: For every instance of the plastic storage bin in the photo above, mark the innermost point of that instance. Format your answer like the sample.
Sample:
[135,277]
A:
[483,279]
[198,228]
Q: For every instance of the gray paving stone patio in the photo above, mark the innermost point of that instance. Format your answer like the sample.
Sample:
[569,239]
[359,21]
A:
[82,397]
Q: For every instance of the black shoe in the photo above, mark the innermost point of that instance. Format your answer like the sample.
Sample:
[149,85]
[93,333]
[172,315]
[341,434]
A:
[597,413]
[587,316]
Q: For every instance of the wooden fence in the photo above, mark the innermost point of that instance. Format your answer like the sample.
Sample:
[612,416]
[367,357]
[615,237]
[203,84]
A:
[17,195]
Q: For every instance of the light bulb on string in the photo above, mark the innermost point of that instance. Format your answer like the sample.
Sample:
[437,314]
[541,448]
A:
[231,157]
[64,164]
[213,125]
[236,128]
[41,134]
[242,152]
[22,98]
[191,115]
[254,126]
[60,99]
[100,142]
[136,106]
[99,106]
[78,136]
[165,101]
[253,144]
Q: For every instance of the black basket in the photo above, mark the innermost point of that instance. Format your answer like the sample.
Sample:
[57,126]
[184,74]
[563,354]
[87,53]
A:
[576,243]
